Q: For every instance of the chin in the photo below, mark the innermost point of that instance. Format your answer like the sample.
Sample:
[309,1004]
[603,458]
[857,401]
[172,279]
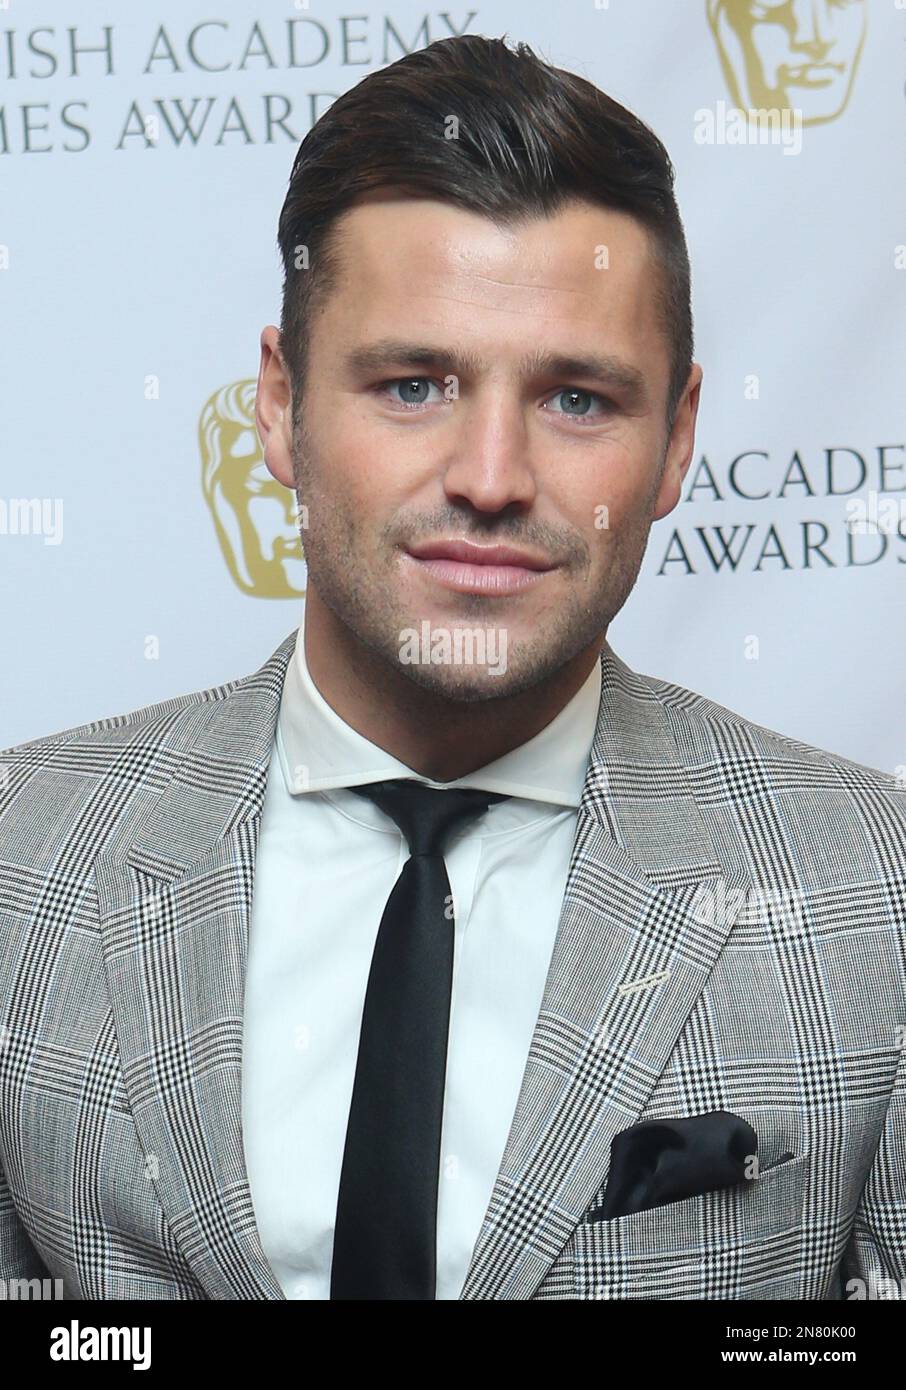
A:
[462,686]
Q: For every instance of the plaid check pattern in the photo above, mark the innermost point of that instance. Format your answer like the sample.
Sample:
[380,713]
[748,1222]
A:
[732,936]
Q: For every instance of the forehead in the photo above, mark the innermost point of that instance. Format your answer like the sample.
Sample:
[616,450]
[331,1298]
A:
[586,270]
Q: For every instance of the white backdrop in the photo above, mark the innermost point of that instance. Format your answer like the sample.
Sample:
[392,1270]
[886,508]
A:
[139,264]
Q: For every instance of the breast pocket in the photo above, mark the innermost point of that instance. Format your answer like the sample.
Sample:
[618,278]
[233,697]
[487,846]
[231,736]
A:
[738,1242]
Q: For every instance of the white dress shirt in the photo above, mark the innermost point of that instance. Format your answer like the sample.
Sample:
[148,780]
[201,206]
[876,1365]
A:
[326,863]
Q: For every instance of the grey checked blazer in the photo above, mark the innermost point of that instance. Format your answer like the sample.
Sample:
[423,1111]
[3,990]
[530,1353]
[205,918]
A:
[732,937]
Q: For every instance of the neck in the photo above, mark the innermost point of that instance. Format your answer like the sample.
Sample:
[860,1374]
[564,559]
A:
[437,737]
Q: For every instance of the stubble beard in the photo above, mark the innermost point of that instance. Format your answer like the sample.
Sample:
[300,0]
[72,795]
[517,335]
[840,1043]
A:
[362,598]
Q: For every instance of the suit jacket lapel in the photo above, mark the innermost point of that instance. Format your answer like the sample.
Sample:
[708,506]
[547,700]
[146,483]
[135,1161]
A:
[635,944]
[175,909]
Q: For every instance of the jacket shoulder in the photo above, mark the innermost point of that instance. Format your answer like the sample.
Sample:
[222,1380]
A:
[186,711]
[147,717]
[108,772]
[708,732]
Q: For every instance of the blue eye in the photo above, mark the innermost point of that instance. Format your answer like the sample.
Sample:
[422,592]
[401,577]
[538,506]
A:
[578,404]
[405,384]
[402,385]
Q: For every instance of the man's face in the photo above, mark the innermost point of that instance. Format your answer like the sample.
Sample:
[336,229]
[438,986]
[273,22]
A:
[423,420]
[790,54]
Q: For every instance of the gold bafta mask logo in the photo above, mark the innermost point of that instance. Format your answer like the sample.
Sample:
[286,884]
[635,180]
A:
[790,54]
[254,515]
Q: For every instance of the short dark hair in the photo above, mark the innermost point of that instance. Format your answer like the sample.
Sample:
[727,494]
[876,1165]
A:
[530,138]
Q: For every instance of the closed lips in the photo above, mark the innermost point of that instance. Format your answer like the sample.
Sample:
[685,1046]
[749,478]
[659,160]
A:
[464,552]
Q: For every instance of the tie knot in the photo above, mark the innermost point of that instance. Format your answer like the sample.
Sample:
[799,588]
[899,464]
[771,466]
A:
[427,815]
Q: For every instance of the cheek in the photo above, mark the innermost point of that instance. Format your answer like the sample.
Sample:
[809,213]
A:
[610,498]
[362,490]
[340,458]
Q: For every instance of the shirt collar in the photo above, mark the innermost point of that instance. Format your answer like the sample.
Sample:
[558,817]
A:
[329,753]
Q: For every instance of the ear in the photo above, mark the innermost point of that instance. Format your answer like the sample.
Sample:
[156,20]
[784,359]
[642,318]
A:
[273,408]
[680,445]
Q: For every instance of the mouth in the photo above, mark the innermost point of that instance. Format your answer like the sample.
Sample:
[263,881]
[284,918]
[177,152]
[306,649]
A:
[467,568]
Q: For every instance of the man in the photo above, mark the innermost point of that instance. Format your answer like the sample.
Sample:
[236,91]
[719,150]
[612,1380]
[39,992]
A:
[446,956]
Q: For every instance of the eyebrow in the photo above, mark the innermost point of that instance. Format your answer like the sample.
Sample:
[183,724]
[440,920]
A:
[603,368]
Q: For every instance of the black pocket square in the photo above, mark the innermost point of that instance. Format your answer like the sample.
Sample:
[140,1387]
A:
[659,1161]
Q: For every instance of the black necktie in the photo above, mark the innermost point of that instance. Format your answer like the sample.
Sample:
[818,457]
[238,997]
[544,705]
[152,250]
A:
[385,1240]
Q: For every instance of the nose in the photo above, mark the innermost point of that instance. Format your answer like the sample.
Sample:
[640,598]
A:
[490,465]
